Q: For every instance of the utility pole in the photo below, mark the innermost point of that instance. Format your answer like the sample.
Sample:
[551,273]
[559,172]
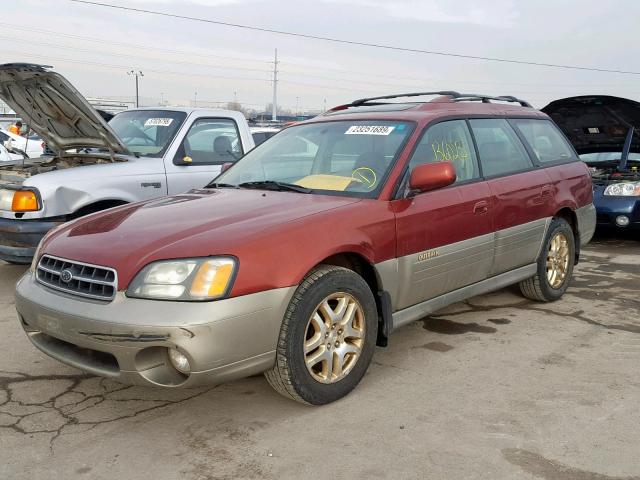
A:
[162,99]
[297,100]
[195,99]
[274,106]
[325,104]
[136,74]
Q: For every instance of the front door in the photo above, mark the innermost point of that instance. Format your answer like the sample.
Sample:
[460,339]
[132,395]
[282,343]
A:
[208,144]
[444,237]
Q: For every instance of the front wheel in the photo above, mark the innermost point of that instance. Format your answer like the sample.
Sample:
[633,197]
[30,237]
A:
[327,337]
[554,266]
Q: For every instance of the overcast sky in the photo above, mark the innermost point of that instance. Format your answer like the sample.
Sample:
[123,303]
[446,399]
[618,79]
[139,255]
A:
[181,60]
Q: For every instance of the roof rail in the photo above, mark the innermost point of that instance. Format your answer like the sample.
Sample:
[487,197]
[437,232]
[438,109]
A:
[455,96]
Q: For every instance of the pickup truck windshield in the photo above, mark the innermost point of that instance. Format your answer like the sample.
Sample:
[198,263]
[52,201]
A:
[147,133]
[332,158]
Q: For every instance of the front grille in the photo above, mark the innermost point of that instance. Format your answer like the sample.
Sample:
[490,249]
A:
[76,278]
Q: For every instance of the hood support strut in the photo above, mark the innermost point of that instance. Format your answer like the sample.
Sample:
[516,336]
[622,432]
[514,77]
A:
[625,151]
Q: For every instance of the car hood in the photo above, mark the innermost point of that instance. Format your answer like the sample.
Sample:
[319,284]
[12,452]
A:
[54,109]
[597,123]
[195,224]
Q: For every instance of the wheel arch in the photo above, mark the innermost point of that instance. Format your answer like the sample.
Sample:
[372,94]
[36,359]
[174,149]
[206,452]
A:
[93,207]
[569,214]
[363,267]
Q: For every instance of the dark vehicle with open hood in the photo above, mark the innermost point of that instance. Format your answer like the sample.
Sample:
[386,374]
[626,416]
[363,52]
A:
[605,132]
[315,246]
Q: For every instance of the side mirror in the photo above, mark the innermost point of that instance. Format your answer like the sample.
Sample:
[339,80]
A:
[182,160]
[431,176]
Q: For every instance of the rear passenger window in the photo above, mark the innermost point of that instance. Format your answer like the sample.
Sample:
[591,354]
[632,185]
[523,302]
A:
[448,142]
[500,149]
[545,140]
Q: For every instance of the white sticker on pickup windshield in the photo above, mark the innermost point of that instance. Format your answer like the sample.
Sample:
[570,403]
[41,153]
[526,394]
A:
[158,122]
[369,130]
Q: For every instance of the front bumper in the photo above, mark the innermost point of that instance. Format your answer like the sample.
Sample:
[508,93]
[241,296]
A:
[609,208]
[19,238]
[127,339]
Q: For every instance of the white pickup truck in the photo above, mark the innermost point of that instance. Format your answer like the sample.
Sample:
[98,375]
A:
[140,154]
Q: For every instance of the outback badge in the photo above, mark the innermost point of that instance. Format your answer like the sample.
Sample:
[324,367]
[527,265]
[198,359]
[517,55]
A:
[427,255]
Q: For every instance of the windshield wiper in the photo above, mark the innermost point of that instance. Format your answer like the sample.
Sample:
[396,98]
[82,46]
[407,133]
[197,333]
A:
[277,186]
[220,185]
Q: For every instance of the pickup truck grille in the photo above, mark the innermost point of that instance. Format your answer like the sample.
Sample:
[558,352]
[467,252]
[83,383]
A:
[76,278]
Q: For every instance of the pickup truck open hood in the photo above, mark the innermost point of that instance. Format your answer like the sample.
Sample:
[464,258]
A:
[54,109]
[597,123]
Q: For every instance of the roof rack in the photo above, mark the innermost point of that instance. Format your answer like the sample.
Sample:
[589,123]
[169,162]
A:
[455,97]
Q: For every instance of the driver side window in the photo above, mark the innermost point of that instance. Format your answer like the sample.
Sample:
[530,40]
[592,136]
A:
[210,141]
[448,142]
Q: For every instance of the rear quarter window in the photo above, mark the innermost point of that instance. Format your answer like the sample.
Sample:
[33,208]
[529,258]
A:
[547,143]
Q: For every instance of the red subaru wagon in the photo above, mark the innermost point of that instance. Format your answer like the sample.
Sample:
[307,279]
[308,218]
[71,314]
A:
[315,247]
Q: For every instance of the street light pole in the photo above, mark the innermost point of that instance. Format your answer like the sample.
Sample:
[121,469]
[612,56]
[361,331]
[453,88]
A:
[136,74]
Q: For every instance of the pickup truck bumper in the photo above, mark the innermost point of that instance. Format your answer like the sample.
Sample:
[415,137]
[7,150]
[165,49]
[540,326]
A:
[19,238]
[128,339]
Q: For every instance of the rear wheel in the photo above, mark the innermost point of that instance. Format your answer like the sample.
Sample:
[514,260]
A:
[327,337]
[555,264]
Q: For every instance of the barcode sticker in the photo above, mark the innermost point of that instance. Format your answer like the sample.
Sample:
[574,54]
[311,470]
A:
[158,122]
[369,130]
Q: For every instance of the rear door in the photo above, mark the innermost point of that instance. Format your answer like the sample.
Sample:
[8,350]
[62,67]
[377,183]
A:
[522,194]
[208,144]
[445,237]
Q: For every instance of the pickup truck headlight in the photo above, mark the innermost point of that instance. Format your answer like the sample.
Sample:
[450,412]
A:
[627,189]
[195,279]
[19,200]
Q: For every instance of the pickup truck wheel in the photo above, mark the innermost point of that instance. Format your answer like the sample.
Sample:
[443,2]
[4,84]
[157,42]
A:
[327,337]
[555,264]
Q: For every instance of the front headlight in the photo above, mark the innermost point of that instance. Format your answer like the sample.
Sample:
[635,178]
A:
[627,189]
[19,200]
[193,279]
[36,256]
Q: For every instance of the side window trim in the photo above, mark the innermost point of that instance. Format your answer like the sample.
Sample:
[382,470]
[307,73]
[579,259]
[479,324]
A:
[181,153]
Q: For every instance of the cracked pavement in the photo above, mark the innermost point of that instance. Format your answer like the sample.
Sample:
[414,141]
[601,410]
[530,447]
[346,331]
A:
[497,387]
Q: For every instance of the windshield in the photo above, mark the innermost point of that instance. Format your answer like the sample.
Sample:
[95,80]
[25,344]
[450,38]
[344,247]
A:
[147,133]
[346,157]
[606,156]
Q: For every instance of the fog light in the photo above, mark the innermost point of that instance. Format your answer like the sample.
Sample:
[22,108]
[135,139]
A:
[622,220]
[179,361]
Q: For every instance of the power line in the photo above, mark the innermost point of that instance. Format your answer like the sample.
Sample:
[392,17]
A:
[128,46]
[354,42]
[125,55]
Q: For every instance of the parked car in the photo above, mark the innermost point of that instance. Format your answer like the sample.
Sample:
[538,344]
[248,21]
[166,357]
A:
[32,145]
[606,133]
[261,134]
[141,154]
[296,261]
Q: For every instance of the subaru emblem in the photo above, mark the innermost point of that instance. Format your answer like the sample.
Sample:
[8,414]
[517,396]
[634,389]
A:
[66,276]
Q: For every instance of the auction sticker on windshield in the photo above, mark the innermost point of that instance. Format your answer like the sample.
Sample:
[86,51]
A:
[369,130]
[158,122]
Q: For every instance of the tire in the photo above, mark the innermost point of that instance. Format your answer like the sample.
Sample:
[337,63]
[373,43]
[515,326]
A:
[540,287]
[301,330]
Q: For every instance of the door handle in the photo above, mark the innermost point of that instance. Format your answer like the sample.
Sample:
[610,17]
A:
[480,208]
[546,192]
